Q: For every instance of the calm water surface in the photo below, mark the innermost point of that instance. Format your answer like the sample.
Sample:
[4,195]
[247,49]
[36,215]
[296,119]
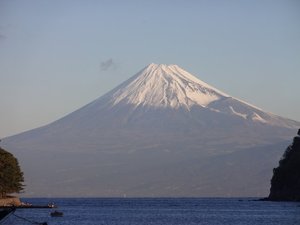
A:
[162,211]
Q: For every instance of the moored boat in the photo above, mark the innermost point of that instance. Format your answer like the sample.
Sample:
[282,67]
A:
[56,214]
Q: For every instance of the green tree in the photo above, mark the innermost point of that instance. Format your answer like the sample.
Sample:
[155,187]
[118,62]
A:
[11,176]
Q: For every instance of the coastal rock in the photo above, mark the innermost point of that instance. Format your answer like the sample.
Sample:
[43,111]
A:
[285,183]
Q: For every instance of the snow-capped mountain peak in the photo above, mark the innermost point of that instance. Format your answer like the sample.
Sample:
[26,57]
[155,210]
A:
[121,142]
[161,85]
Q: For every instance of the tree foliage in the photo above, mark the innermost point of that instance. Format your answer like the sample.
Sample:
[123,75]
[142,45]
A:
[285,183]
[11,176]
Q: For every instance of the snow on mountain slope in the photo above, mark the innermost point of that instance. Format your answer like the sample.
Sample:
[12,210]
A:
[166,86]
[249,112]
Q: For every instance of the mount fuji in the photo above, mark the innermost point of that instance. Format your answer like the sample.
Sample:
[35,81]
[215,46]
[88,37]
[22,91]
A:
[163,132]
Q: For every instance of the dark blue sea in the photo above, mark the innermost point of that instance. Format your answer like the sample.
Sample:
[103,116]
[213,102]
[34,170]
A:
[160,211]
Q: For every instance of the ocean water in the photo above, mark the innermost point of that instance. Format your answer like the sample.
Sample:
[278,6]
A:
[160,211]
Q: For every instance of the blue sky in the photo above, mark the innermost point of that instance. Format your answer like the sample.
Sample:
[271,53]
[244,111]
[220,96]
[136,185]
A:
[56,56]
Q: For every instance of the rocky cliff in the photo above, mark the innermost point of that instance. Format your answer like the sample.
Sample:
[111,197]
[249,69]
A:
[285,183]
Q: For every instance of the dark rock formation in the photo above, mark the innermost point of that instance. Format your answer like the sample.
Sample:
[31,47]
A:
[285,183]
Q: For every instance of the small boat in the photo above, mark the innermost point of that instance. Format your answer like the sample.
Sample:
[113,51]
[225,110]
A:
[51,205]
[56,214]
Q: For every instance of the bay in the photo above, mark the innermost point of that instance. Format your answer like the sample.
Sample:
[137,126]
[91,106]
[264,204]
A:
[160,211]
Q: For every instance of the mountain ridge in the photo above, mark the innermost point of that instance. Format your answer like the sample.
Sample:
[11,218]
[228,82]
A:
[132,141]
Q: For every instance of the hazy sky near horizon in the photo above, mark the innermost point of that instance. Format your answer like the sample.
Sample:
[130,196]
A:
[56,56]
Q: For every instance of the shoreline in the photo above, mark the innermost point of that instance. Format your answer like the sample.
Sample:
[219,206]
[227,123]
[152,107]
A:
[10,201]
